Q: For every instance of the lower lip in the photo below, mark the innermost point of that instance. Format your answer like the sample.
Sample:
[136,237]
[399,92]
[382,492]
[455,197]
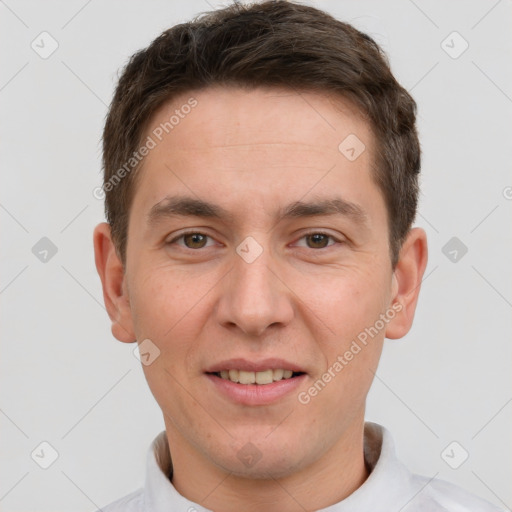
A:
[256,394]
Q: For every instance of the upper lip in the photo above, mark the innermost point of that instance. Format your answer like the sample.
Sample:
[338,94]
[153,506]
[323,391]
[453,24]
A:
[254,366]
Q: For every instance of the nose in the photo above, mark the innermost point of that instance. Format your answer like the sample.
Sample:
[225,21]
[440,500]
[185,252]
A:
[254,296]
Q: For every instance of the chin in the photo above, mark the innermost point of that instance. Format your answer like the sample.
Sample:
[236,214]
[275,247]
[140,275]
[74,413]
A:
[266,468]
[276,458]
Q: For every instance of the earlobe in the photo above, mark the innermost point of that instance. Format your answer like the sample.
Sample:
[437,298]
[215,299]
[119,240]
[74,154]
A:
[111,272]
[406,284]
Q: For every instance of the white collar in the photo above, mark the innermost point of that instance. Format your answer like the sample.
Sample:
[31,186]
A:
[389,487]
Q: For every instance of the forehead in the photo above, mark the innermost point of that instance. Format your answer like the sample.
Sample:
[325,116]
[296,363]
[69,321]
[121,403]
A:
[229,115]
[233,143]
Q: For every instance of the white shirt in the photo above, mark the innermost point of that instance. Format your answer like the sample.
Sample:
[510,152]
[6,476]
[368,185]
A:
[390,487]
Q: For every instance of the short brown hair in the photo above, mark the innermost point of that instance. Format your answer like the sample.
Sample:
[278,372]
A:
[272,43]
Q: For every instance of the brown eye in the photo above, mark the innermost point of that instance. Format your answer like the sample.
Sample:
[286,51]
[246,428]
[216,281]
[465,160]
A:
[194,240]
[317,240]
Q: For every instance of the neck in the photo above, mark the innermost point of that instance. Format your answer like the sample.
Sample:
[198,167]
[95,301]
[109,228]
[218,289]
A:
[328,480]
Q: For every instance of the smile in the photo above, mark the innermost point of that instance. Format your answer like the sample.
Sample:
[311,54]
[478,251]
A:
[255,382]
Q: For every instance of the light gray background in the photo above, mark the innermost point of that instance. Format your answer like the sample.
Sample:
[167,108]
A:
[67,381]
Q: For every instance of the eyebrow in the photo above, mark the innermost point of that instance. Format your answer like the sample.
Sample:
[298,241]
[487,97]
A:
[185,206]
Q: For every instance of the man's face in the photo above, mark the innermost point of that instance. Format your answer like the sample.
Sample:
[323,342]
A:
[261,287]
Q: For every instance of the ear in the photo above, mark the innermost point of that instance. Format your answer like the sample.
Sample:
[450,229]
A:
[111,272]
[407,278]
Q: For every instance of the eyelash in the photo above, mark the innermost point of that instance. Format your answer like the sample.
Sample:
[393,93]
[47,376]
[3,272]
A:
[170,242]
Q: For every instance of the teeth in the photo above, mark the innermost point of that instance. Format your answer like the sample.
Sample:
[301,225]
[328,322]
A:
[264,377]
[246,377]
[278,374]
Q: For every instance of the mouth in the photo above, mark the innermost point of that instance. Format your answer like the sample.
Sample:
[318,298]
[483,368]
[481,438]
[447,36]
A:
[261,378]
[246,382]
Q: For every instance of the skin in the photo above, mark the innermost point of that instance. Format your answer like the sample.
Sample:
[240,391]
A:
[253,152]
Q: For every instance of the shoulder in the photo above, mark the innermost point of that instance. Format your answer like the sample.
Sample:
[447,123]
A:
[442,496]
[415,493]
[133,502]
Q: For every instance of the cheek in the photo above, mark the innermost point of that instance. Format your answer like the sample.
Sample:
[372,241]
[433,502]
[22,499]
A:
[349,304]
[165,310]
[345,301]
[168,307]
[162,302]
